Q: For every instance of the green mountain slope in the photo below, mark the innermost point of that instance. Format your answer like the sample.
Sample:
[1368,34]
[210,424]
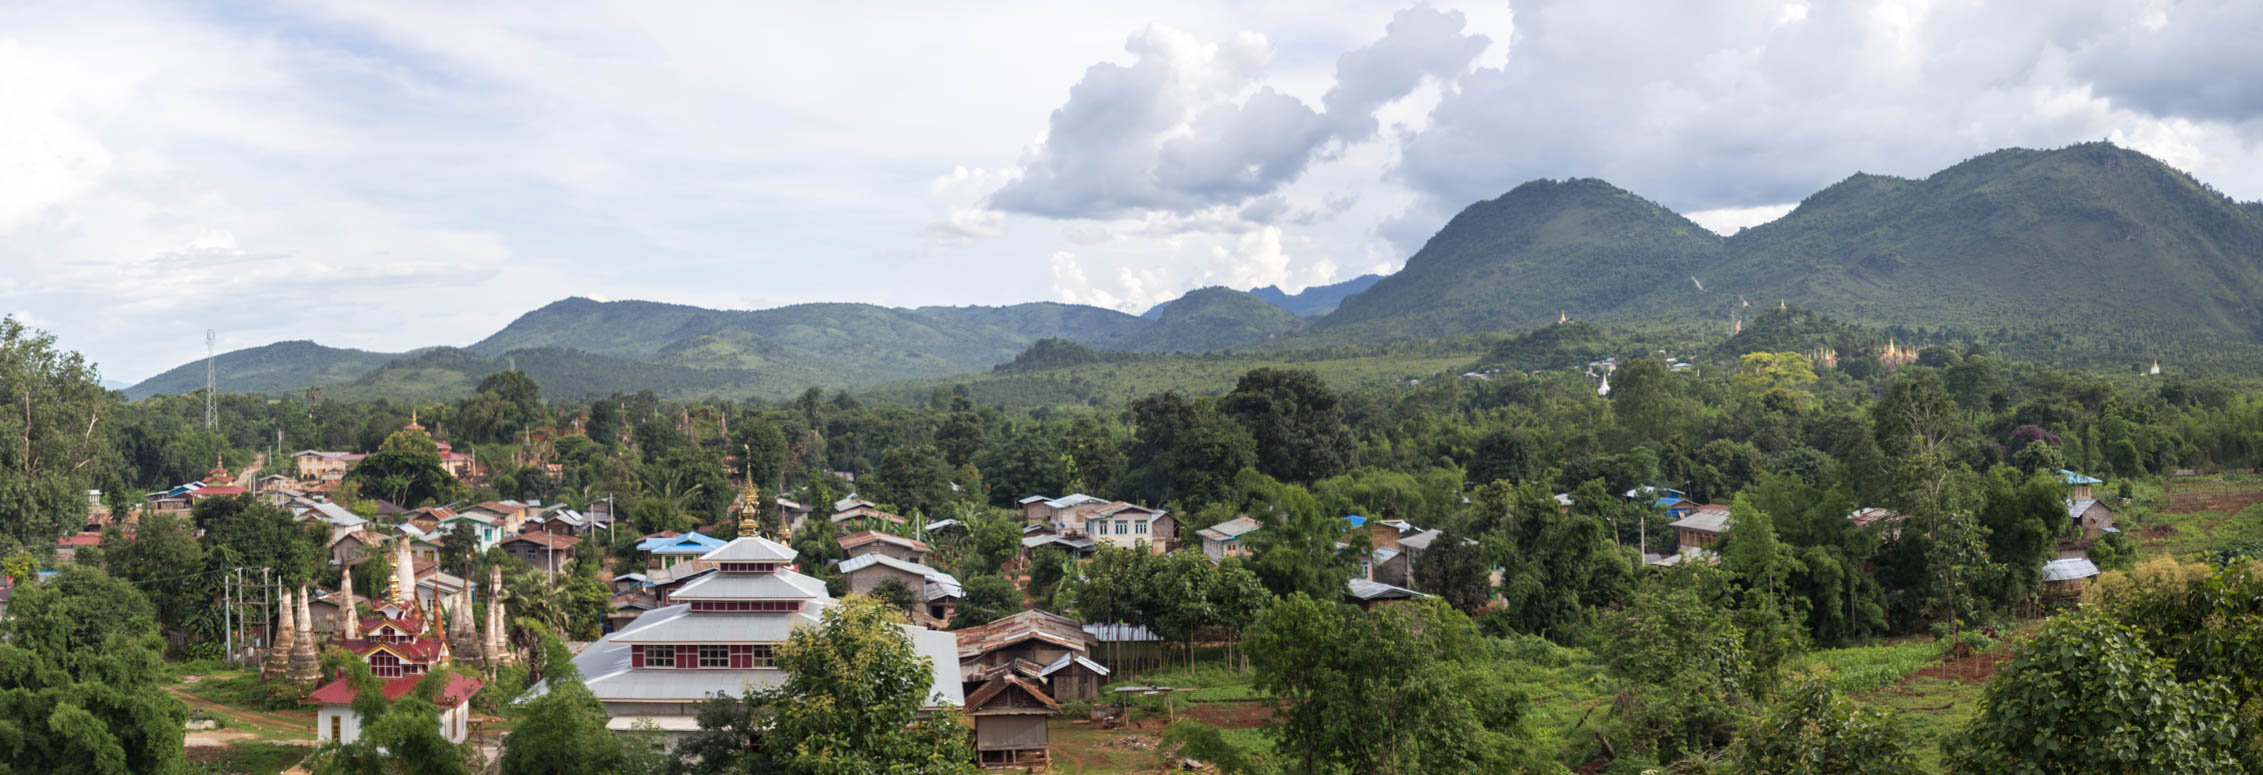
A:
[281,367]
[449,373]
[2090,237]
[1211,319]
[1546,247]
[1086,325]
[853,340]
[1310,302]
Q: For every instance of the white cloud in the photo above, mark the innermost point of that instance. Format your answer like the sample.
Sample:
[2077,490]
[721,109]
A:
[1728,221]
[419,172]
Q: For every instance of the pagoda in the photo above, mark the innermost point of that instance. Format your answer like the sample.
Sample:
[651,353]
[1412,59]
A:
[401,644]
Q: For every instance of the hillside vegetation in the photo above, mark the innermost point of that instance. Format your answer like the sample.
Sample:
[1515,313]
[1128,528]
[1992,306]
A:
[281,367]
[2091,258]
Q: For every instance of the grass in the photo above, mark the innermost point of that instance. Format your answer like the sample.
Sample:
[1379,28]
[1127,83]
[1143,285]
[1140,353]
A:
[251,758]
[1859,669]
[1930,709]
[2187,534]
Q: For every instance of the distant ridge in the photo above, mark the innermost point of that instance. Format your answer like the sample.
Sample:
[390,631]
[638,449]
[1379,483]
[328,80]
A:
[1310,302]
[2090,253]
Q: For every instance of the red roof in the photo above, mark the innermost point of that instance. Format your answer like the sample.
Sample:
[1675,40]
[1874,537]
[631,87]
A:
[460,687]
[82,539]
[217,490]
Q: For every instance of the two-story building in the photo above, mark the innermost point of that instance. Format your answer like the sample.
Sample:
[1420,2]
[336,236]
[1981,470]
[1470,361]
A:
[1124,525]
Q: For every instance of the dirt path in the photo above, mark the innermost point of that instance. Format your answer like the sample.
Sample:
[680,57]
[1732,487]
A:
[233,713]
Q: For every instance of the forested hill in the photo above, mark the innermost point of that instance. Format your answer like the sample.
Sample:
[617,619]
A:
[1546,247]
[1212,319]
[275,368]
[2089,256]
[2091,236]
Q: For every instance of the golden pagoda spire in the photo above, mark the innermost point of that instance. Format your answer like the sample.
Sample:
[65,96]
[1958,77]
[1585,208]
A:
[1563,317]
[750,497]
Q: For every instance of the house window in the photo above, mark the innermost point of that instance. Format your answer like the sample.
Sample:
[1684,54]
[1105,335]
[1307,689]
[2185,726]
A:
[761,655]
[337,735]
[385,665]
[660,656]
[714,656]
[1122,527]
[1141,529]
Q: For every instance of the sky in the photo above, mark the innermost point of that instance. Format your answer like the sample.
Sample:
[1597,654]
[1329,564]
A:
[391,175]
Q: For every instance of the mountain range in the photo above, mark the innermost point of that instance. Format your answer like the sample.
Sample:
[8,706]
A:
[2089,249]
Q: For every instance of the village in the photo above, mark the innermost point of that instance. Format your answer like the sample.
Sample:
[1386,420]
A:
[694,614]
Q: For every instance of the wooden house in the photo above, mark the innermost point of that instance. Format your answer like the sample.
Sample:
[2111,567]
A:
[547,552]
[1051,651]
[937,592]
[1703,528]
[1010,717]
[1225,539]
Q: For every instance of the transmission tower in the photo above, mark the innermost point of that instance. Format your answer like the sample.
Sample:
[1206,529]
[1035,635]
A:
[211,412]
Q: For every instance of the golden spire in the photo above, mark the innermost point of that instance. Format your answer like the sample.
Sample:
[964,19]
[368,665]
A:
[1563,317]
[750,497]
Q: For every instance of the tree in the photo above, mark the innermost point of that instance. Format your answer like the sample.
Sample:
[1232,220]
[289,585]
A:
[241,531]
[1554,566]
[898,595]
[1296,550]
[54,435]
[161,557]
[988,597]
[1296,420]
[406,470]
[1454,570]
[2087,695]
[78,688]
[912,478]
[1649,402]
[1815,730]
[994,541]
[851,703]
[563,731]
[1408,688]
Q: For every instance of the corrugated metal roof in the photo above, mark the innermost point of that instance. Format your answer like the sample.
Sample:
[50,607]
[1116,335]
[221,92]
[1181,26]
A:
[1709,518]
[1008,630]
[939,584]
[2069,569]
[1421,541]
[1364,589]
[784,585]
[677,624]
[1230,529]
[751,549]
[2071,477]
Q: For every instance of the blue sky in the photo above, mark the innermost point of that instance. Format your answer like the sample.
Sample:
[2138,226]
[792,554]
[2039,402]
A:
[399,174]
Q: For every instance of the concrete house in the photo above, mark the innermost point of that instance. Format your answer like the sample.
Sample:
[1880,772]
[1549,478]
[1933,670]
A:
[876,542]
[939,591]
[1224,539]
[1124,525]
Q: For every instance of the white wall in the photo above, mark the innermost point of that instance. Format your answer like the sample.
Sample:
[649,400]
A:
[455,723]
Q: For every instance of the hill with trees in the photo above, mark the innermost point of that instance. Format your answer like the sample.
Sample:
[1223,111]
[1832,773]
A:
[2089,257]
[281,367]
[1212,319]
[1520,260]
[2021,239]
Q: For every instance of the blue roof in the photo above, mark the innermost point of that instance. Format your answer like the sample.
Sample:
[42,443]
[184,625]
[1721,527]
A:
[1356,519]
[688,543]
[2071,477]
[1667,501]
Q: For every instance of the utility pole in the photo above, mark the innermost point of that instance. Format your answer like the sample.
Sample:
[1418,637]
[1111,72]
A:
[227,624]
[211,412]
[266,611]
